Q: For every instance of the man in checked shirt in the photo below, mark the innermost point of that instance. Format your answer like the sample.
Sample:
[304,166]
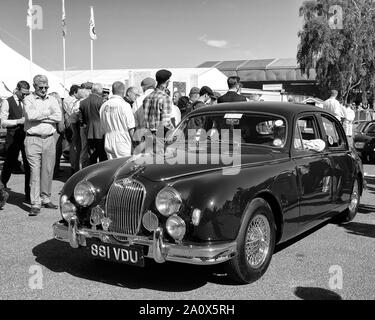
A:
[157,105]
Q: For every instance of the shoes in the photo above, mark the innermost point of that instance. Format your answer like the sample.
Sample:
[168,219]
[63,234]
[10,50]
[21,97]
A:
[5,196]
[34,211]
[49,205]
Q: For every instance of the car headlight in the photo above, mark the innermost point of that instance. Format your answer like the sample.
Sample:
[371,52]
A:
[176,227]
[67,208]
[359,145]
[84,193]
[168,201]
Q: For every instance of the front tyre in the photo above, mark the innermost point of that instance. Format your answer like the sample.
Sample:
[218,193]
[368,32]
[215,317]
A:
[255,243]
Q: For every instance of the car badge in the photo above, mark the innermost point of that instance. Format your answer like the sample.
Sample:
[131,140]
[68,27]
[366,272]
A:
[96,216]
[106,222]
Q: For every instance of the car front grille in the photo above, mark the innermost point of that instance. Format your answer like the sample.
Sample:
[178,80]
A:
[124,206]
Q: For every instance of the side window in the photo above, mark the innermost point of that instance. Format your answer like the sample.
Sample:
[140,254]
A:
[335,138]
[304,132]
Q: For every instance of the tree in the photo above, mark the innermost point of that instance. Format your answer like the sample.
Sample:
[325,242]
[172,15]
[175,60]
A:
[338,41]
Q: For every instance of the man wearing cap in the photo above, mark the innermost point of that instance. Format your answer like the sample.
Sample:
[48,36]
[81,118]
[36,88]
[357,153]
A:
[194,94]
[42,113]
[157,106]
[232,94]
[12,118]
[148,86]
[205,96]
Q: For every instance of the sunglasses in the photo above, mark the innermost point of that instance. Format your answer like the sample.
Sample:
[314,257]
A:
[41,88]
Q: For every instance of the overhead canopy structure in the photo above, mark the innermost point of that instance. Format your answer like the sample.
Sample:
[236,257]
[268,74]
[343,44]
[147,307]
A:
[182,78]
[14,67]
[256,73]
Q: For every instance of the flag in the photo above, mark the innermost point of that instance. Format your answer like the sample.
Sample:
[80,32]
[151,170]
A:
[92,25]
[29,21]
[63,19]
[34,16]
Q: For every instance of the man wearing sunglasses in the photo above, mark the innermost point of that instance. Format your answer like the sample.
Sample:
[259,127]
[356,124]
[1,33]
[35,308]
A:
[13,120]
[42,113]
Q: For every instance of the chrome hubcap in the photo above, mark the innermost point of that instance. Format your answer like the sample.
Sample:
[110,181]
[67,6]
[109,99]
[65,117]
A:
[257,241]
[354,198]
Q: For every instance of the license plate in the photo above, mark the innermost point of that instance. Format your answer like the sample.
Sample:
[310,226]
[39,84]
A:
[123,254]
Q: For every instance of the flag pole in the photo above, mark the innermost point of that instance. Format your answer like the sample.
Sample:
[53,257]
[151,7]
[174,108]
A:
[64,47]
[31,40]
[92,28]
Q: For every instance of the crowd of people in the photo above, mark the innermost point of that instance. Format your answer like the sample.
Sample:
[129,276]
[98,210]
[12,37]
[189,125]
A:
[97,125]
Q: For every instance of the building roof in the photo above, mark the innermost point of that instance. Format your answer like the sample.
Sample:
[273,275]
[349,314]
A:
[262,70]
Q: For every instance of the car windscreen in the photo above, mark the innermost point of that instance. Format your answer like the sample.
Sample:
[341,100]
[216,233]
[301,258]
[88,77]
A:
[249,128]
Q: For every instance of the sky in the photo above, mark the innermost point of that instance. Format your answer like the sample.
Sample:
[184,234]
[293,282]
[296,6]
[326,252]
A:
[154,33]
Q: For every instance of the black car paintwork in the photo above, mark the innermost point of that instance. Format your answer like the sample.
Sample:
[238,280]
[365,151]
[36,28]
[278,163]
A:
[267,172]
[361,134]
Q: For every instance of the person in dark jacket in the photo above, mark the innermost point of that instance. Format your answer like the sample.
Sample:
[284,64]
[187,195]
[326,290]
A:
[90,119]
[13,119]
[232,94]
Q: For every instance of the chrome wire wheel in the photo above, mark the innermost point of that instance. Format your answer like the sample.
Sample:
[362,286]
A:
[354,199]
[257,243]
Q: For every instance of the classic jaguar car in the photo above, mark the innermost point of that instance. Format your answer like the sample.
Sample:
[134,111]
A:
[248,176]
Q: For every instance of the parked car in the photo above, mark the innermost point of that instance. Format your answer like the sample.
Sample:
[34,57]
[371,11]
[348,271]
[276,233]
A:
[364,140]
[292,169]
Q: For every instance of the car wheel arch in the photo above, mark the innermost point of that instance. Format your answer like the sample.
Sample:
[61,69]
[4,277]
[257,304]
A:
[272,201]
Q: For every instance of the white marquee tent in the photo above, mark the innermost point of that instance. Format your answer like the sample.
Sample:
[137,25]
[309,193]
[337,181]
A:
[185,77]
[15,67]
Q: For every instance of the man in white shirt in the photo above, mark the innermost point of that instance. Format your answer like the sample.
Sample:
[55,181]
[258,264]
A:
[176,113]
[42,113]
[148,85]
[117,122]
[348,123]
[333,106]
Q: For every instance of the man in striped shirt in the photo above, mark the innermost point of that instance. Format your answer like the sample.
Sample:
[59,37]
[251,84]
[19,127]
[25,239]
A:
[157,105]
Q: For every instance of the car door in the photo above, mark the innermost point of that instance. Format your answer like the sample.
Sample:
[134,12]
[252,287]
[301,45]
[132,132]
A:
[341,160]
[313,170]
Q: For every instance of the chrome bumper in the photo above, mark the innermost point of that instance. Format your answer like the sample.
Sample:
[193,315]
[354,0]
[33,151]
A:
[158,249]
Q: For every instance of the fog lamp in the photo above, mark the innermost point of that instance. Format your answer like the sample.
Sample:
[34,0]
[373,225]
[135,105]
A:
[67,209]
[176,227]
[84,193]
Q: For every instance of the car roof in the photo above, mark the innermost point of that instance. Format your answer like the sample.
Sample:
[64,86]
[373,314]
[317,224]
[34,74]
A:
[285,109]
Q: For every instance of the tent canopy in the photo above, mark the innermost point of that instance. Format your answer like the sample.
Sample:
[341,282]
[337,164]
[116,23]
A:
[14,67]
[185,77]
[262,70]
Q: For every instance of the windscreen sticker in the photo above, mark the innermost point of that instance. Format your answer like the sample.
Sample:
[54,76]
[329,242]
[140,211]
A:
[233,115]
